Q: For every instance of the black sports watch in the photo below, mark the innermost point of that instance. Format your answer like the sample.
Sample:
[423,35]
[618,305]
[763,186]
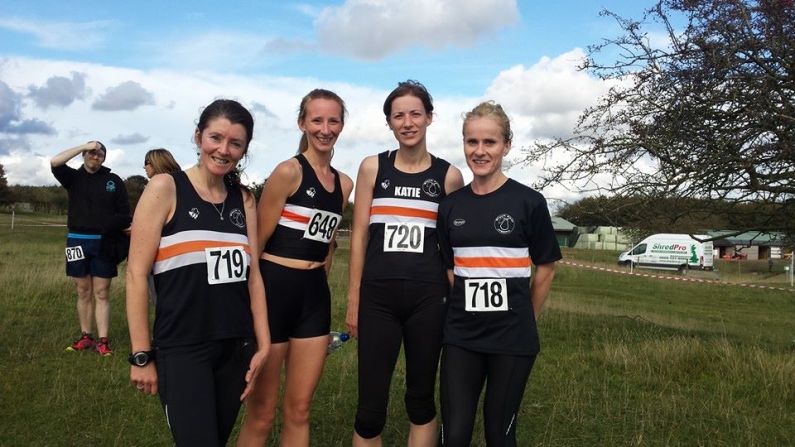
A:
[141,358]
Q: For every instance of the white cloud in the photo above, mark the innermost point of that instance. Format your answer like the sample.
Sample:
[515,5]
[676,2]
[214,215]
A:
[224,51]
[72,36]
[128,95]
[274,101]
[372,29]
[547,97]
[26,169]
[59,91]
[133,138]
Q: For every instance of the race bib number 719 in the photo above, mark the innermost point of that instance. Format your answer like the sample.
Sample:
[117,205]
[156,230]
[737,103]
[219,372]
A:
[225,264]
[486,295]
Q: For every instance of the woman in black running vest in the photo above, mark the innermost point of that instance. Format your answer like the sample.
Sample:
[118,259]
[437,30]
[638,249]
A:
[500,249]
[196,231]
[300,209]
[397,285]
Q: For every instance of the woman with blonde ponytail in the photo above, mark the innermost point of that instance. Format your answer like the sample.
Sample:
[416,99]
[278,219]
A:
[300,209]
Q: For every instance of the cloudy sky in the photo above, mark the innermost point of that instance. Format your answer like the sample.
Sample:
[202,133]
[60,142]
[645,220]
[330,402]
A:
[135,75]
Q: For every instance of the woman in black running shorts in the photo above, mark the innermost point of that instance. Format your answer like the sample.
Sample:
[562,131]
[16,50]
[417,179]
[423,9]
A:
[500,249]
[397,285]
[300,209]
[196,232]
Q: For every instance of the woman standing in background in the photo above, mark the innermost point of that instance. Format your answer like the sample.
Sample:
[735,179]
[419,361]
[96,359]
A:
[159,161]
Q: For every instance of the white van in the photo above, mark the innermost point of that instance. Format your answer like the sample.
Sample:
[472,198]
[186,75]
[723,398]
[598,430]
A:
[670,252]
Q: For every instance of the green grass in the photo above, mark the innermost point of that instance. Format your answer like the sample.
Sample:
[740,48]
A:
[625,361]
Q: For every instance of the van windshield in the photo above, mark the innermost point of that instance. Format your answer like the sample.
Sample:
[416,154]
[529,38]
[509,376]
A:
[639,250]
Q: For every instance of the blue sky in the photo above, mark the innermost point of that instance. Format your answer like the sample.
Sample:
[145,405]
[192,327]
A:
[135,75]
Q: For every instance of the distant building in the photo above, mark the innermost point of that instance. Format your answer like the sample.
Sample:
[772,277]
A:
[751,245]
[564,231]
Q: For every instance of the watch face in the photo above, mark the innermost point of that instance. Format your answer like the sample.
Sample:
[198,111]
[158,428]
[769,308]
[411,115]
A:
[141,358]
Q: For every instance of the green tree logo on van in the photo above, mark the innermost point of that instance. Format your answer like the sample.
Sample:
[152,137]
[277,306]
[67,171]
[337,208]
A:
[693,255]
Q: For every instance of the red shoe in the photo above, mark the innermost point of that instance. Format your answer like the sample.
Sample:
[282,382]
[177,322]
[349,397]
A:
[85,342]
[103,347]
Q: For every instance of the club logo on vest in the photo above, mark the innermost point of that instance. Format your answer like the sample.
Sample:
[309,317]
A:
[237,218]
[385,184]
[110,186]
[431,187]
[194,213]
[311,191]
[459,222]
[504,224]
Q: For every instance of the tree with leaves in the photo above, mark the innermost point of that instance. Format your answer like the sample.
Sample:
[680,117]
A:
[135,187]
[5,193]
[709,115]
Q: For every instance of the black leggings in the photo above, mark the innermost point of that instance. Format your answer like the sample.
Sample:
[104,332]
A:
[200,387]
[392,311]
[462,376]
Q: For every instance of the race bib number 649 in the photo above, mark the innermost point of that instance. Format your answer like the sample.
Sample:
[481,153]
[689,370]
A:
[486,295]
[225,264]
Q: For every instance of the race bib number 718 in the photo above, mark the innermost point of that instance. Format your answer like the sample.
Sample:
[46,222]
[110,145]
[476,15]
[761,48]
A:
[486,295]
[225,264]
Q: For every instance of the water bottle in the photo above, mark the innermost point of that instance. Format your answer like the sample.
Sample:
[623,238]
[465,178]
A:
[336,340]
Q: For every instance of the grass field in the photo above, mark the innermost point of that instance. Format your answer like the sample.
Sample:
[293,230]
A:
[625,361]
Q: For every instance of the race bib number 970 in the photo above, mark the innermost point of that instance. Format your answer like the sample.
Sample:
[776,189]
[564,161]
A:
[74,253]
[225,264]
[321,226]
[404,237]
[486,295]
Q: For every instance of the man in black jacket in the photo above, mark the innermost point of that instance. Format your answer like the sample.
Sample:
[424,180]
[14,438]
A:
[98,211]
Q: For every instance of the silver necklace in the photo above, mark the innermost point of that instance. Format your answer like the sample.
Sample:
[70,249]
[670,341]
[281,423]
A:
[221,211]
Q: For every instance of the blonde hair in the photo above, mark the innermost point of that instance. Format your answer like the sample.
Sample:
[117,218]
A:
[161,161]
[317,93]
[490,109]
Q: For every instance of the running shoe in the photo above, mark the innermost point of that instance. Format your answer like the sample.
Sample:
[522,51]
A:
[103,347]
[85,342]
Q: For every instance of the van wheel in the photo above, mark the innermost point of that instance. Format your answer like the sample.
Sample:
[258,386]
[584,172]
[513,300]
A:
[682,270]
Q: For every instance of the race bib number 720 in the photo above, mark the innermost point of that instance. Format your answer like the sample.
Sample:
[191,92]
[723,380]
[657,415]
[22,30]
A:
[404,237]
[74,253]
[486,295]
[225,264]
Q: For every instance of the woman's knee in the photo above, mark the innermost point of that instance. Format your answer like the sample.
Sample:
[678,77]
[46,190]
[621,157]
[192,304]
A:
[260,415]
[297,413]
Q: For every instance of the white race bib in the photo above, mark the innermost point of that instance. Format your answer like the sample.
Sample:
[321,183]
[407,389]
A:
[486,295]
[321,226]
[225,264]
[408,237]
[74,253]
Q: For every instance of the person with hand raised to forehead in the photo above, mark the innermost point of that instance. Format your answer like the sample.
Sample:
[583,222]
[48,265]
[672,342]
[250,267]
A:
[397,285]
[299,212]
[500,249]
[99,210]
[196,231]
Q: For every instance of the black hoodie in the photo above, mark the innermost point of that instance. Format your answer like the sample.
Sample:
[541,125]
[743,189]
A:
[98,202]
